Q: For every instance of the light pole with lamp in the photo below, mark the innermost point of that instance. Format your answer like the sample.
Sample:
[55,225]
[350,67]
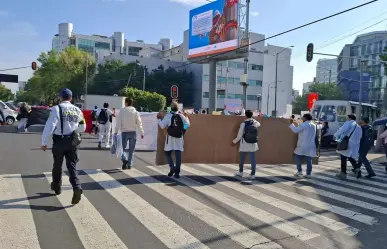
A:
[259,100]
[276,80]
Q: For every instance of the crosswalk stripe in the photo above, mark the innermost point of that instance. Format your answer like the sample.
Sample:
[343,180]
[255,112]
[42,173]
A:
[233,229]
[167,231]
[377,171]
[342,189]
[317,218]
[290,228]
[353,177]
[358,216]
[309,215]
[17,227]
[91,227]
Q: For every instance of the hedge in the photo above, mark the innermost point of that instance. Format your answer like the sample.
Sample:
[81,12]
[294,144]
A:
[145,101]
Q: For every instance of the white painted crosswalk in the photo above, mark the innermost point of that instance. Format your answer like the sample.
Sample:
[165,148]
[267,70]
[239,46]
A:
[207,208]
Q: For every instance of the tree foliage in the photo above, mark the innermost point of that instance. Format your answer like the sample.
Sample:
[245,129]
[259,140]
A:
[383,57]
[5,93]
[57,71]
[145,101]
[114,75]
[326,91]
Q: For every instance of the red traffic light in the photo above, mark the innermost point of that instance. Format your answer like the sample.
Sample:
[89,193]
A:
[34,66]
[309,52]
[174,92]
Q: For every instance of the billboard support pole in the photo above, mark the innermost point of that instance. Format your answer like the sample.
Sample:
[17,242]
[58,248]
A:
[246,59]
[212,87]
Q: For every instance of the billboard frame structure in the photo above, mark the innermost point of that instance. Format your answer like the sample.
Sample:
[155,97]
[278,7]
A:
[242,46]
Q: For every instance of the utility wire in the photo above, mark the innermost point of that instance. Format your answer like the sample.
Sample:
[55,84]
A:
[282,33]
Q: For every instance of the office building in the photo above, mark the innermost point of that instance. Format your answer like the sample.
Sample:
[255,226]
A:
[101,46]
[350,84]
[305,87]
[326,70]
[364,47]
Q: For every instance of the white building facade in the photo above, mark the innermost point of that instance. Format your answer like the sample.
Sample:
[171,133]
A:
[305,87]
[326,70]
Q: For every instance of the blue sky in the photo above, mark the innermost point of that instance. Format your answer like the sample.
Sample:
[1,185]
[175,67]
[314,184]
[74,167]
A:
[27,27]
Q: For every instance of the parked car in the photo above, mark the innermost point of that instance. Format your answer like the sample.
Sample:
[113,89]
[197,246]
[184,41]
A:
[9,114]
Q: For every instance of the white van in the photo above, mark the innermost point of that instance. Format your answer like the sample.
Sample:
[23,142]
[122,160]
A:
[9,114]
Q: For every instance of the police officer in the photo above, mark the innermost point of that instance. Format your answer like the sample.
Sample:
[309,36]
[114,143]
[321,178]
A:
[66,129]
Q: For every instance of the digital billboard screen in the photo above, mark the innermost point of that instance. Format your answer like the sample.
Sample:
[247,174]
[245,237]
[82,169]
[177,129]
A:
[213,28]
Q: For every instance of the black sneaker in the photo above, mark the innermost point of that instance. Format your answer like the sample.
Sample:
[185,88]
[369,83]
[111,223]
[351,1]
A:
[354,171]
[358,174]
[129,166]
[76,196]
[370,176]
[177,176]
[124,164]
[56,188]
[171,172]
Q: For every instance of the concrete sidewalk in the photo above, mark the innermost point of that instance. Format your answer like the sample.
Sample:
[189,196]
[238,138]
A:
[13,128]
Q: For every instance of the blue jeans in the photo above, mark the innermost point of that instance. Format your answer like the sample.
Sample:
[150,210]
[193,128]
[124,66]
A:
[252,160]
[130,137]
[175,168]
[308,160]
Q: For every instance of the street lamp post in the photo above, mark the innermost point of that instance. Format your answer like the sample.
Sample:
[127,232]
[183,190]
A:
[276,80]
[259,100]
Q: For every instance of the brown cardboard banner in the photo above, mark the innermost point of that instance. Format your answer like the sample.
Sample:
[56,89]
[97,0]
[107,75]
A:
[209,140]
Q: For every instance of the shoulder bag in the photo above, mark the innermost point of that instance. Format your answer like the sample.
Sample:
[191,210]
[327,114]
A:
[343,144]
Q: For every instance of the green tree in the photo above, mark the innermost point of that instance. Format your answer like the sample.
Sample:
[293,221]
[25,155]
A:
[145,101]
[5,93]
[326,91]
[383,57]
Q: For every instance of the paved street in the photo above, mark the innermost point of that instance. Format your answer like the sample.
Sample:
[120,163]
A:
[205,208]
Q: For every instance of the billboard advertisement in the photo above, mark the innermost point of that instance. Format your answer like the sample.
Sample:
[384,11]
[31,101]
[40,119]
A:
[213,28]
[312,97]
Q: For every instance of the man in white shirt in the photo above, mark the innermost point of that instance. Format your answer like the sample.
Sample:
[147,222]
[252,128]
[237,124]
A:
[104,117]
[128,121]
[65,121]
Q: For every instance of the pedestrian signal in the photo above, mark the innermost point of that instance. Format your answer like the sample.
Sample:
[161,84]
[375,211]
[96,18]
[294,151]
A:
[174,92]
[33,65]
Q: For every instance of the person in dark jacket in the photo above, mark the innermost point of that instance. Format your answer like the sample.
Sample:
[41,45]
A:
[365,146]
[325,139]
[23,116]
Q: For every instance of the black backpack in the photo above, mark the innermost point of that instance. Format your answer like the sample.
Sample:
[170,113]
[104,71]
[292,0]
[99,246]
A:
[176,129]
[103,117]
[250,134]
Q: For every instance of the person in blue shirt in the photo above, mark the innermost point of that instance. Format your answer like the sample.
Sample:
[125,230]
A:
[65,122]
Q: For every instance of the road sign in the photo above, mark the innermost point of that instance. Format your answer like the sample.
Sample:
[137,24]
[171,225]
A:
[309,52]
[174,92]
[9,78]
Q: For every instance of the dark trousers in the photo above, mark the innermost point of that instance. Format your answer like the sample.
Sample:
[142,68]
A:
[174,167]
[344,163]
[363,160]
[62,149]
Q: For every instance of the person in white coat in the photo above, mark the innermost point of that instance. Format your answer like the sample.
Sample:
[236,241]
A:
[354,132]
[250,146]
[176,123]
[306,144]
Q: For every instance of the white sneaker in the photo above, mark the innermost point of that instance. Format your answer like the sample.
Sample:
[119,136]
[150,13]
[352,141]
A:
[252,177]
[107,146]
[239,174]
[307,176]
[298,174]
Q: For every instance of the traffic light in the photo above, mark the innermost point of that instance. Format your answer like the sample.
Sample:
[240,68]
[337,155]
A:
[174,92]
[33,65]
[309,52]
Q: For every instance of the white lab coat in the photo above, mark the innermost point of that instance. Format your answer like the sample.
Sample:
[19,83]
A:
[173,143]
[306,145]
[243,145]
[354,140]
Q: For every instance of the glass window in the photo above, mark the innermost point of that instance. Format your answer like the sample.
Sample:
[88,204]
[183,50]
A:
[341,114]
[206,77]
[238,96]
[256,67]
[221,95]
[102,45]
[328,113]
[236,81]
[223,63]
[135,51]
[230,80]
[232,64]
[316,111]
[252,97]
[221,79]
[206,95]
[240,65]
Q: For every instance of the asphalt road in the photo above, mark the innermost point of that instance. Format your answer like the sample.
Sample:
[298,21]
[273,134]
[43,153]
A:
[206,208]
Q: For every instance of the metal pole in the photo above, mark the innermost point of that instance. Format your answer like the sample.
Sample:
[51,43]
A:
[259,98]
[225,89]
[276,86]
[244,100]
[268,96]
[212,87]
[360,91]
[86,82]
[244,86]
[143,80]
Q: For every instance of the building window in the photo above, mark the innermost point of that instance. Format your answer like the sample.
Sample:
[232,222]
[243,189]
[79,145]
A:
[206,77]
[135,51]
[221,95]
[237,65]
[230,80]
[206,95]
[255,67]
[221,79]
[255,83]
[86,45]
[252,97]
[222,63]
[102,45]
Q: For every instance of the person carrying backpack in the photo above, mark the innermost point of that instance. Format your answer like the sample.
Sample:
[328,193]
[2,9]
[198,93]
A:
[248,138]
[176,124]
[104,118]
[365,146]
